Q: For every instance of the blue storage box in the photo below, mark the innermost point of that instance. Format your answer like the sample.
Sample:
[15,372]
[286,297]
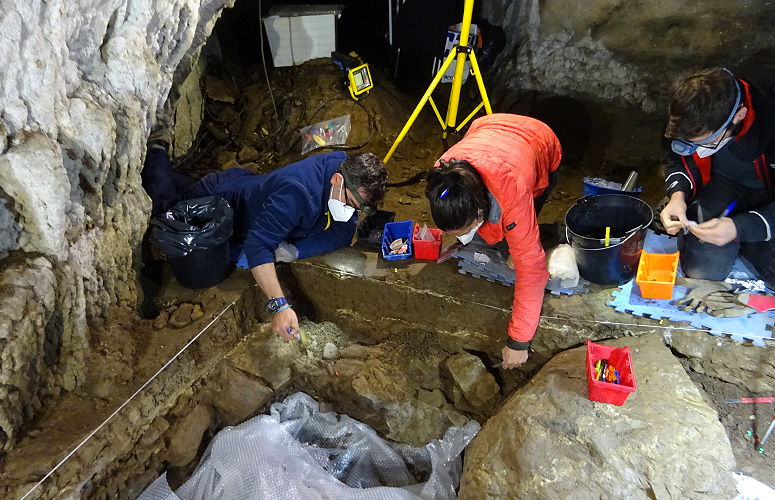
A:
[393,231]
[592,187]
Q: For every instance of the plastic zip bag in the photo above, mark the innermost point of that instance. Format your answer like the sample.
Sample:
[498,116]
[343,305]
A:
[332,132]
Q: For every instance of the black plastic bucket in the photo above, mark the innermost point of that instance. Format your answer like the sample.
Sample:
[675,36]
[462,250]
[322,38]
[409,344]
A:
[194,236]
[586,224]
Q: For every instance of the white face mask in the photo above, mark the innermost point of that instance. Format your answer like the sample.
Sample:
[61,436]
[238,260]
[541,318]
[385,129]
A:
[705,152]
[339,210]
[466,238]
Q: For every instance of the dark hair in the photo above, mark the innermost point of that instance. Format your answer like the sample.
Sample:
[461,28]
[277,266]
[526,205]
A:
[700,103]
[465,194]
[367,172]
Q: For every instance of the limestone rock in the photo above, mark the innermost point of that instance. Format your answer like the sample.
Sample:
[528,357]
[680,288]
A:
[240,396]
[379,383]
[161,320]
[182,315]
[745,365]
[330,351]
[471,378]
[220,90]
[358,351]
[550,441]
[197,313]
[269,359]
[186,435]
[247,154]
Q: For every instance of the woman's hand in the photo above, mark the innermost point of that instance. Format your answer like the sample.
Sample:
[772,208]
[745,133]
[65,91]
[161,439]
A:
[513,358]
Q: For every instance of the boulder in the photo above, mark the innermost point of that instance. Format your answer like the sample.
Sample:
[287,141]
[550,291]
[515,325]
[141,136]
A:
[240,396]
[550,441]
[471,380]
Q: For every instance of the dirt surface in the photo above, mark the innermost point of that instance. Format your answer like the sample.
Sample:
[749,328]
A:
[739,420]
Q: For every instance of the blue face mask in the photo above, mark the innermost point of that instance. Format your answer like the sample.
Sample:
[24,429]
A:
[685,148]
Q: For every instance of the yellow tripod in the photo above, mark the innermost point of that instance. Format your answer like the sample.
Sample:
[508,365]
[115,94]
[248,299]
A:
[459,52]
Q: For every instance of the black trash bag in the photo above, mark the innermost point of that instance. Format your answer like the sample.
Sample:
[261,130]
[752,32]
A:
[194,236]
[202,223]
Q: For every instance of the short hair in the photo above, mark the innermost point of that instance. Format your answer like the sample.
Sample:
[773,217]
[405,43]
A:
[465,194]
[367,172]
[700,103]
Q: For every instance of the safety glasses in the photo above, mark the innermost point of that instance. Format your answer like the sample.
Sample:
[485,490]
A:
[685,147]
[364,207]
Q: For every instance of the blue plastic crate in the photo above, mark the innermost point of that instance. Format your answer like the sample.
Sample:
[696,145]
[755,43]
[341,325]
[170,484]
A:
[393,231]
[592,189]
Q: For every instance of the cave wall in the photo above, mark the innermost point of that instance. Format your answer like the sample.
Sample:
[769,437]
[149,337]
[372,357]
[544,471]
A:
[80,87]
[618,57]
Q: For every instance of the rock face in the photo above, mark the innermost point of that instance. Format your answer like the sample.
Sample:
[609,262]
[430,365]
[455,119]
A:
[621,51]
[550,441]
[81,84]
[616,60]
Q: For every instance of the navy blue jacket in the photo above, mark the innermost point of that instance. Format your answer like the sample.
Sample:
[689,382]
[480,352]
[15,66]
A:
[290,203]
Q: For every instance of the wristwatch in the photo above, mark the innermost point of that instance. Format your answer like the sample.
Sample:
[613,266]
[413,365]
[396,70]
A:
[274,304]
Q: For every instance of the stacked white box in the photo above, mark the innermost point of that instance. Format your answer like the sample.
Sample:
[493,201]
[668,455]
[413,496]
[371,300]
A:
[298,33]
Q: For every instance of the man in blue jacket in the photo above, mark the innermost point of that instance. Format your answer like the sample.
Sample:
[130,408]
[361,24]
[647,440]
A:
[304,209]
[722,132]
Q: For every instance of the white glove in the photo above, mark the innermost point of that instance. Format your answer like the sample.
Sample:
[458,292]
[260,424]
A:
[286,252]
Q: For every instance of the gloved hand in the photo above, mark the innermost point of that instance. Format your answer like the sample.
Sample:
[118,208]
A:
[286,252]
[698,289]
[726,305]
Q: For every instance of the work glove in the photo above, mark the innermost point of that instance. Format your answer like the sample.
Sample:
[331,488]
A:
[286,252]
[726,305]
[698,289]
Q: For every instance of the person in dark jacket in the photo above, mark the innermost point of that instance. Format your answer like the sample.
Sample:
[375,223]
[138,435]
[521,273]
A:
[722,140]
[304,209]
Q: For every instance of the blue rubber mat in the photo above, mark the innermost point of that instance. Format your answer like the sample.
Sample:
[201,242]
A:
[487,263]
[754,327]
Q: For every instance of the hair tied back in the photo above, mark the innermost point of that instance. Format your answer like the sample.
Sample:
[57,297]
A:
[447,181]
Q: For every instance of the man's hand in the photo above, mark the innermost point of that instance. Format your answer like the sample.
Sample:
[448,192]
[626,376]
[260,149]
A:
[286,324]
[512,358]
[716,231]
[510,262]
[674,214]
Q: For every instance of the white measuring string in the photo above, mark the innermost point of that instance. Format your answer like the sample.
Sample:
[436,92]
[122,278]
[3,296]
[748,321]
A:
[561,318]
[127,401]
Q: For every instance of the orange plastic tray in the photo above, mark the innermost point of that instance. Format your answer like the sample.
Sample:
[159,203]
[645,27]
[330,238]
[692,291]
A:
[656,275]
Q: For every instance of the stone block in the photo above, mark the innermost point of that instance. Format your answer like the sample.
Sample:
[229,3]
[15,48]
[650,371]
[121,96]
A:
[240,396]
[470,376]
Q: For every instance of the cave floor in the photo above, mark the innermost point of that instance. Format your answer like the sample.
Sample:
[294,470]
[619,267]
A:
[374,300]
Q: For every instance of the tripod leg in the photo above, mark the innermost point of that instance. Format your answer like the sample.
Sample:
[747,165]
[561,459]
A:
[480,83]
[422,102]
[457,80]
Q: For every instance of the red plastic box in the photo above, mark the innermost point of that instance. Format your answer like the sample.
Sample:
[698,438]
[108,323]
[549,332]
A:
[606,392]
[426,249]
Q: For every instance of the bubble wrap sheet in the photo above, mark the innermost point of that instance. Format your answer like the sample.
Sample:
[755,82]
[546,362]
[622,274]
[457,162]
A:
[296,452]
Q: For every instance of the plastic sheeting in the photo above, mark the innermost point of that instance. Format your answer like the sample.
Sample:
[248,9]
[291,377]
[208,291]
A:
[296,453]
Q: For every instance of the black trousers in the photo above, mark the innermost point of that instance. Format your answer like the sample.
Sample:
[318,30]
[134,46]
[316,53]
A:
[711,262]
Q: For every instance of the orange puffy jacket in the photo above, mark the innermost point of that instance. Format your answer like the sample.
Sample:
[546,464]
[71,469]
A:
[514,155]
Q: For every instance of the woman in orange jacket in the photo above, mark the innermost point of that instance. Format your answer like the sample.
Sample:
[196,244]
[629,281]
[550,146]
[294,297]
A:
[493,183]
